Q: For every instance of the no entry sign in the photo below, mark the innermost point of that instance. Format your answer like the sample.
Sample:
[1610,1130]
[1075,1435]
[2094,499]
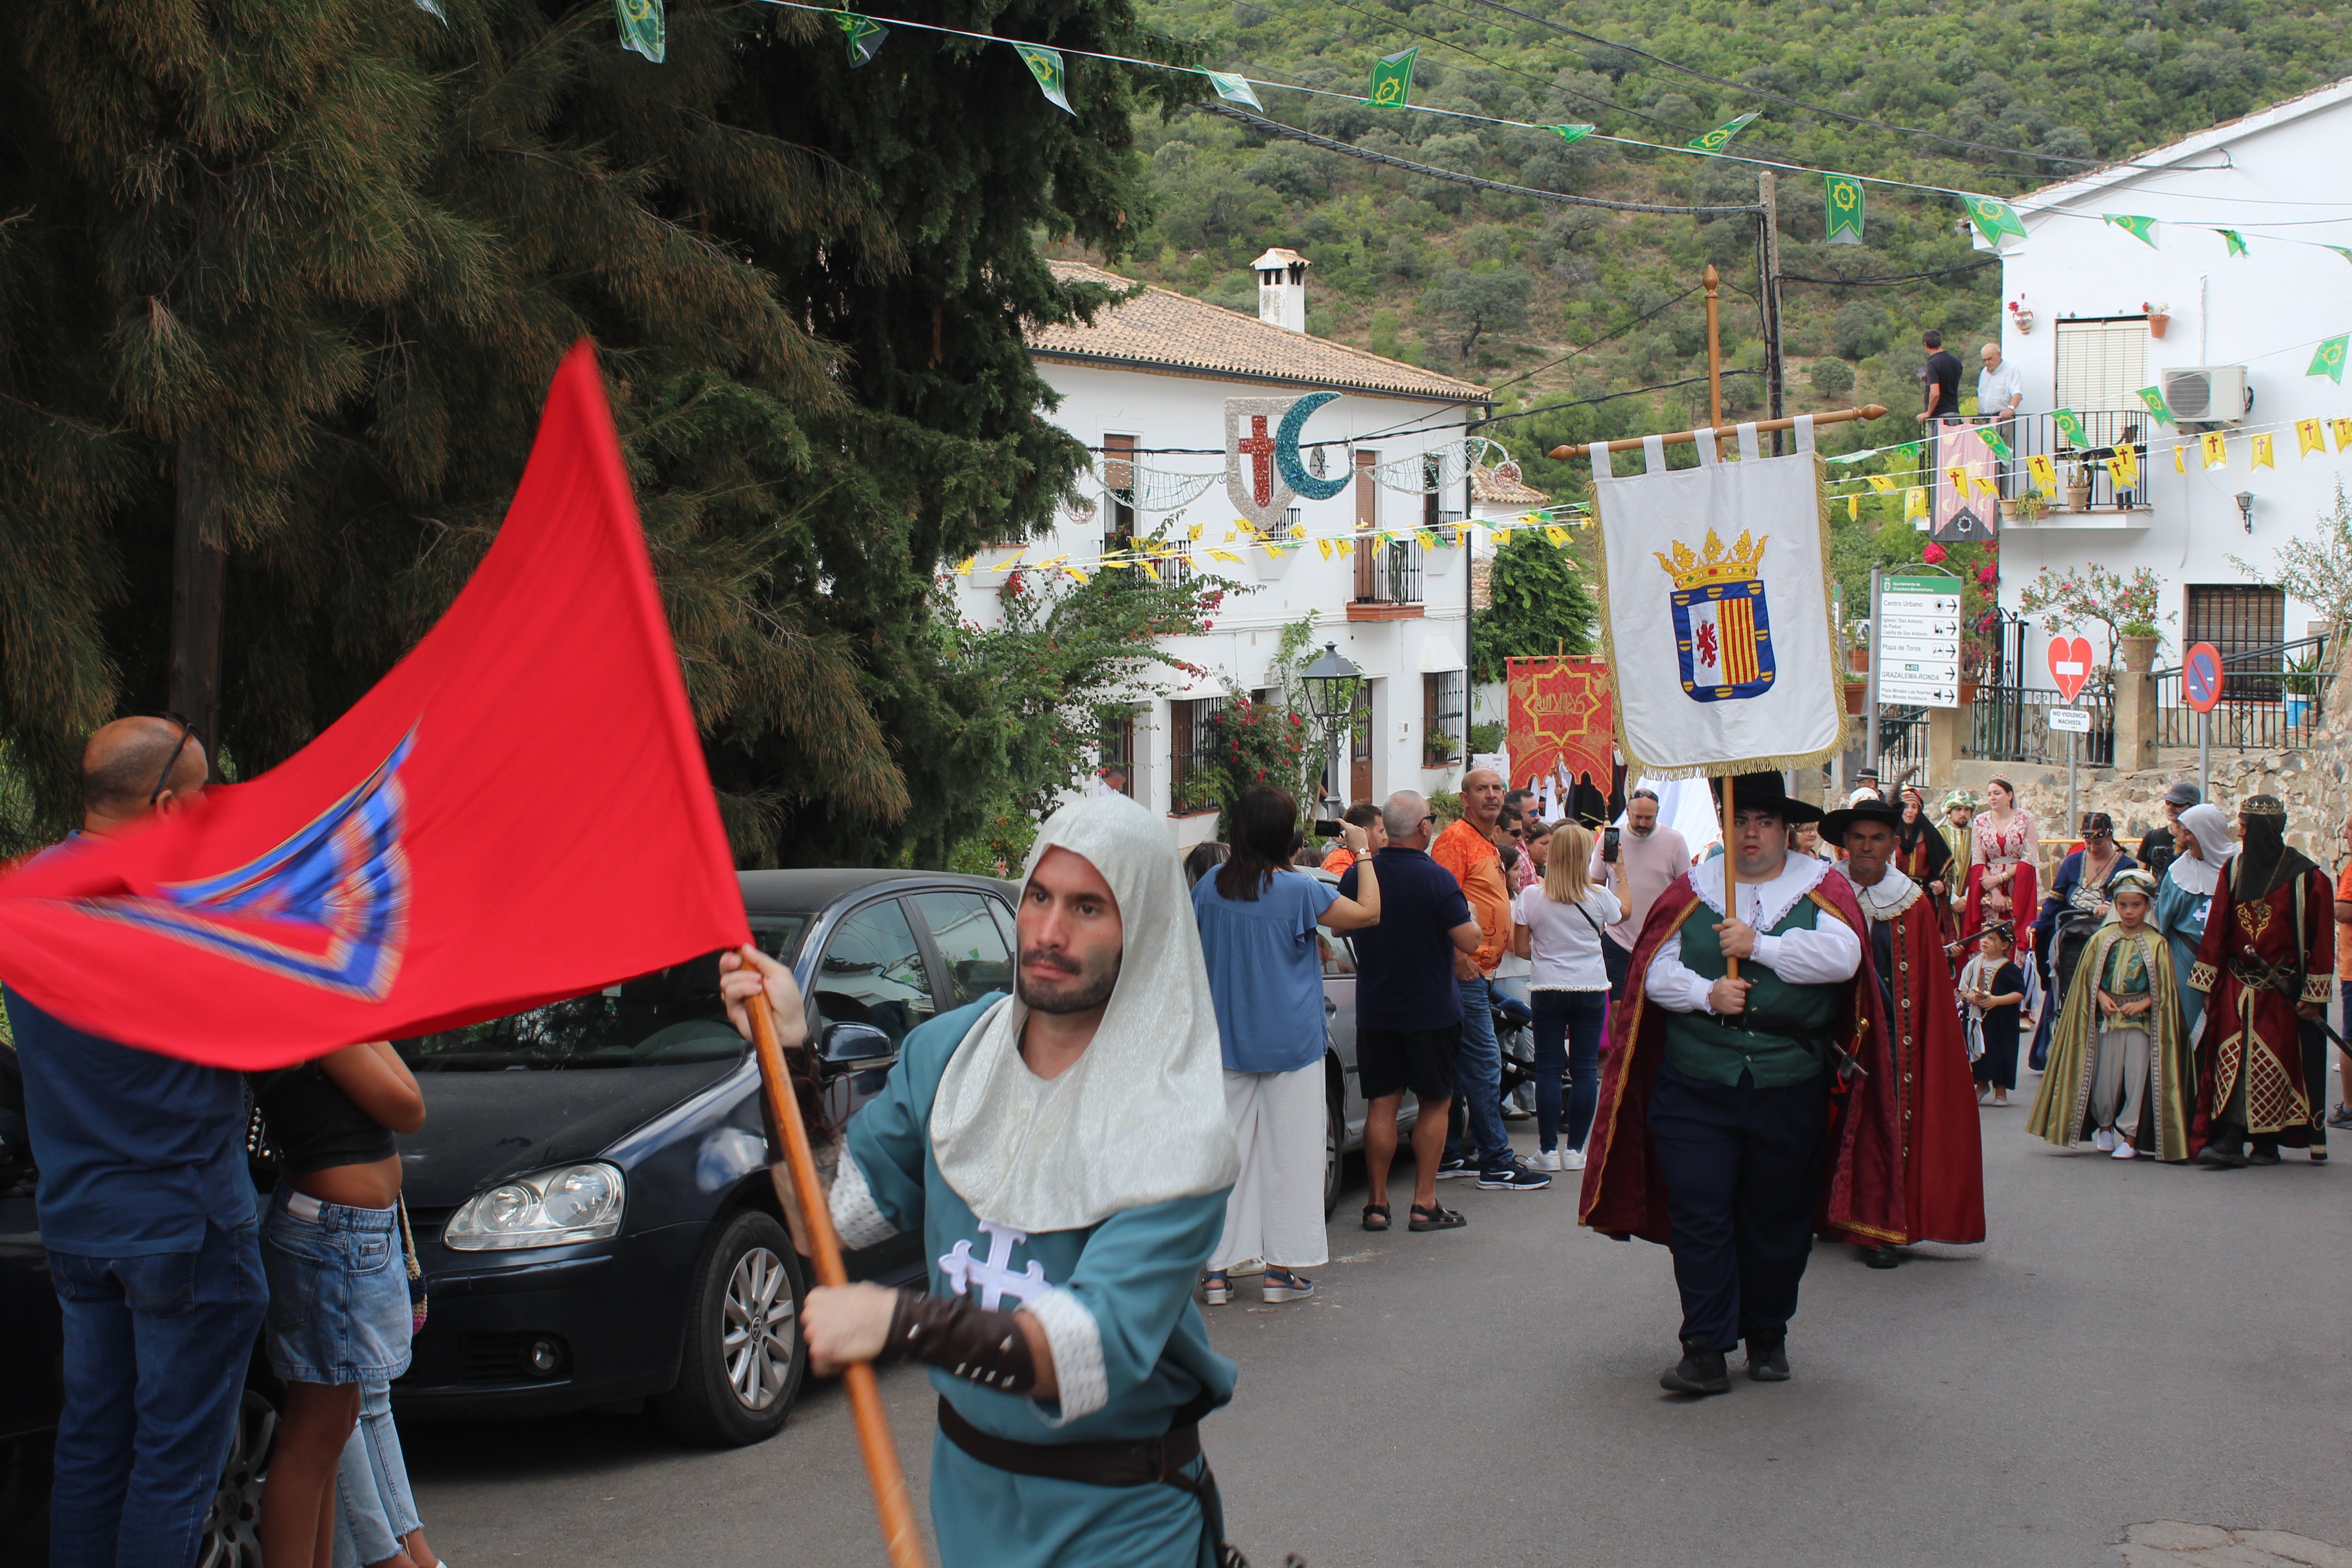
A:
[2200,677]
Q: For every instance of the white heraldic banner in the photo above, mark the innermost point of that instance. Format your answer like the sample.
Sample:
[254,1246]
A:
[1714,610]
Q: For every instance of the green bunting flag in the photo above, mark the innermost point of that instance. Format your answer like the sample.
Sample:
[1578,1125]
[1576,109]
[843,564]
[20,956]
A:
[2342,250]
[2140,228]
[1903,454]
[1842,196]
[1714,140]
[1993,218]
[1045,64]
[1995,445]
[2070,424]
[2329,361]
[1392,83]
[864,36]
[2233,240]
[2153,396]
[1573,133]
[1234,88]
[641,28]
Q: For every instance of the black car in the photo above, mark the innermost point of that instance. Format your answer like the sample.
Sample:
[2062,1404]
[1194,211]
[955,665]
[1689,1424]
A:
[590,1193]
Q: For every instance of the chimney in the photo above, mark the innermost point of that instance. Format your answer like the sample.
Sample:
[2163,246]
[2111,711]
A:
[1282,288]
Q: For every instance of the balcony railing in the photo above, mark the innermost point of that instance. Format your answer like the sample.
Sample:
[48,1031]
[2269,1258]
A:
[2269,701]
[2104,432]
[1396,572]
[2011,723]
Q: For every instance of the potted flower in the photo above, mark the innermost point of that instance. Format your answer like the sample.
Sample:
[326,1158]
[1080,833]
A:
[2137,640]
[2301,684]
[2159,316]
[2078,486]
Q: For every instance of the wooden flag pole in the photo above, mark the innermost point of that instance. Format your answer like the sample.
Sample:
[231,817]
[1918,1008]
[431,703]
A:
[1713,351]
[1730,871]
[1680,437]
[891,1503]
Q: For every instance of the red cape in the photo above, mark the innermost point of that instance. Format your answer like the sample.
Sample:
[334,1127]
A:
[1861,1200]
[1943,1164]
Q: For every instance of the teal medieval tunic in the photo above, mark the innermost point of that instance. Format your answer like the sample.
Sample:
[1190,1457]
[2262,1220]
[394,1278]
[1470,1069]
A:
[1116,1301]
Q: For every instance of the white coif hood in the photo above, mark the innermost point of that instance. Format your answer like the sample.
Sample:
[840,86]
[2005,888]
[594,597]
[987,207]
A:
[1140,1119]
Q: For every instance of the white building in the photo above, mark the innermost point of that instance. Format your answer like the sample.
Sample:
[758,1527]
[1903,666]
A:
[1145,388]
[2092,314]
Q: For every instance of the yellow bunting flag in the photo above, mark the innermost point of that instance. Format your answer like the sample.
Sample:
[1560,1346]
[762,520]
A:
[1854,509]
[2123,468]
[1884,484]
[1960,477]
[963,567]
[1556,534]
[2044,473]
[1986,487]
[1196,529]
[1324,545]
[2213,450]
[1915,503]
[1148,566]
[1076,572]
[2343,434]
[1297,530]
[1428,538]
[1229,536]
[2262,451]
[2310,436]
[2180,463]
[1274,550]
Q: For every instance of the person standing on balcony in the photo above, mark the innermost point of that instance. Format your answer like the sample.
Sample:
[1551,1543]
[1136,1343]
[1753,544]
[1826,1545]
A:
[1941,376]
[2001,390]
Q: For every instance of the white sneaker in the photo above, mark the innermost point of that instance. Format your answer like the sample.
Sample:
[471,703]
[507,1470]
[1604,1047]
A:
[1572,1160]
[2103,1139]
[2123,1151]
[1544,1160]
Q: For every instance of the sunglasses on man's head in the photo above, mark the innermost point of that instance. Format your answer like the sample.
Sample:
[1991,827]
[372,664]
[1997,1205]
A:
[188,728]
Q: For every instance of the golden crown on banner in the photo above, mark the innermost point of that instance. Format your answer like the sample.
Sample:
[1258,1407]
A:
[1692,570]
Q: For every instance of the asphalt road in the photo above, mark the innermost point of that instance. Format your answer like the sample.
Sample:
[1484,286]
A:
[2133,1344]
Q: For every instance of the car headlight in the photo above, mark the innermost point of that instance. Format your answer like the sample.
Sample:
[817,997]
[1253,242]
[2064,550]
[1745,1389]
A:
[541,1208]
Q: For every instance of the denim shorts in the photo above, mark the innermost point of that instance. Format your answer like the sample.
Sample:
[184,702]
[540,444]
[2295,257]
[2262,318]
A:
[338,1292]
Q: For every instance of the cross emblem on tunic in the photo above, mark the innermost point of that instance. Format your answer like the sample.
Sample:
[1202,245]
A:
[1259,448]
[995,1277]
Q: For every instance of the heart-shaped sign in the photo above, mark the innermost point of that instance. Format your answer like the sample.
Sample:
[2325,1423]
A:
[2070,665]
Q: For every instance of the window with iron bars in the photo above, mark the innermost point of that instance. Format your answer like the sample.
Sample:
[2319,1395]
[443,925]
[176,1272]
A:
[1191,759]
[2246,624]
[1396,570]
[1117,751]
[1442,734]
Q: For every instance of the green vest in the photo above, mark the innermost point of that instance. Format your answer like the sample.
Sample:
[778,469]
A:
[1784,1035]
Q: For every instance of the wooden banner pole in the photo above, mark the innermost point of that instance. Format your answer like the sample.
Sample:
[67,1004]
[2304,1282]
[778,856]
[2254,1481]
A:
[1713,351]
[1730,870]
[1682,437]
[891,1504]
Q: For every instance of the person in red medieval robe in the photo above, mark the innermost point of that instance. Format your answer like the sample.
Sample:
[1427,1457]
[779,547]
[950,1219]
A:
[1935,1095]
[2266,966]
[1738,1116]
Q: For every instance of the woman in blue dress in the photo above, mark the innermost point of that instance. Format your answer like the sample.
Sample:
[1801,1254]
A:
[2202,849]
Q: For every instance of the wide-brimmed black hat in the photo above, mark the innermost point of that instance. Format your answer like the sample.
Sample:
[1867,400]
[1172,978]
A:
[1834,825]
[1766,792]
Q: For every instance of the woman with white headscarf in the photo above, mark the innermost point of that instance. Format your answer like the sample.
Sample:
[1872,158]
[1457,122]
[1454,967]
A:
[2200,837]
[1064,1154]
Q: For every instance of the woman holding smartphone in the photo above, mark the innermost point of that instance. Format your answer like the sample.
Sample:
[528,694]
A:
[339,1308]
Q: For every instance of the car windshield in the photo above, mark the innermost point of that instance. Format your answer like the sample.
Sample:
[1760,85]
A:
[672,1016]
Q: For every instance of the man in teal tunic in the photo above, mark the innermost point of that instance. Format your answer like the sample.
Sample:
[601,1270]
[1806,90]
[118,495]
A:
[1066,1156]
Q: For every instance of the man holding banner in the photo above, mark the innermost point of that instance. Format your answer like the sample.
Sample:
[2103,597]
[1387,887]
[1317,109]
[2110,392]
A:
[1746,1102]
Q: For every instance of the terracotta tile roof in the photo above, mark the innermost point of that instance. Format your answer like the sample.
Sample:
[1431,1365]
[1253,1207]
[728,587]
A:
[1505,489]
[1162,328]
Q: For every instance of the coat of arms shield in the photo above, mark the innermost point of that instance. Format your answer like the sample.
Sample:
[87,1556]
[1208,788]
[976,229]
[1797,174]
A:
[1254,480]
[1722,630]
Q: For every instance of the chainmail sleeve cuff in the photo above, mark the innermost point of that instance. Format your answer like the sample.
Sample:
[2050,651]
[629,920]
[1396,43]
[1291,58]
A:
[1076,1341]
[855,1215]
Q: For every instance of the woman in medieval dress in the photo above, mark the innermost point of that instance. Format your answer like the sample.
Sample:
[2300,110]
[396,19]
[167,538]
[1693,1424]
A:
[2002,868]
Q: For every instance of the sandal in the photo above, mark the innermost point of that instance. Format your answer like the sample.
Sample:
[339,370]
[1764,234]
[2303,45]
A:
[1380,1210]
[1216,1289]
[1437,1217]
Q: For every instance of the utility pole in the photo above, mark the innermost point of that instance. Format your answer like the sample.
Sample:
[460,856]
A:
[1767,187]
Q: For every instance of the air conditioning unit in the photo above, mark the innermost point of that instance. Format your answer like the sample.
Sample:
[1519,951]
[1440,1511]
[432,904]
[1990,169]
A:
[2207,393]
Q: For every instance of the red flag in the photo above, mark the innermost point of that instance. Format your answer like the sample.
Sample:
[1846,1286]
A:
[518,813]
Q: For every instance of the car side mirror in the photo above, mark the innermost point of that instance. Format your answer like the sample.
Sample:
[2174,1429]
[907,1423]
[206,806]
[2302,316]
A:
[855,1046]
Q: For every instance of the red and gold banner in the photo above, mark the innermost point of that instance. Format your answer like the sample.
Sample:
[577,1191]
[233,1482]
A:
[1562,714]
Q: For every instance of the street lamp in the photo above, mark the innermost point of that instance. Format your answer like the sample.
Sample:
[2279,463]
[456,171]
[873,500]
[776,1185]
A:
[2245,499]
[1330,682]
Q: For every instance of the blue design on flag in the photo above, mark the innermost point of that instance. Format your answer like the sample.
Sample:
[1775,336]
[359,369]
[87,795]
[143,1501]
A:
[329,906]
[1723,637]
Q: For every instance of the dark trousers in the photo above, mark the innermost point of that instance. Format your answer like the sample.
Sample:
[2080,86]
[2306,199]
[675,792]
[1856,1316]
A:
[155,1351]
[1620,963]
[1742,1168]
[1568,1039]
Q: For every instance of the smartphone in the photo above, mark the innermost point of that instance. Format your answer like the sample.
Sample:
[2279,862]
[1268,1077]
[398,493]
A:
[1608,844]
[1325,828]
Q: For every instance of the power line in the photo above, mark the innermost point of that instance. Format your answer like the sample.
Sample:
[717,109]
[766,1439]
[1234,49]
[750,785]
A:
[1890,278]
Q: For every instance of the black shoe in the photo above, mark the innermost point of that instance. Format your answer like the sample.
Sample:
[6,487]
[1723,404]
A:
[2214,1157]
[1880,1256]
[2263,1155]
[1455,1165]
[1701,1371]
[1767,1360]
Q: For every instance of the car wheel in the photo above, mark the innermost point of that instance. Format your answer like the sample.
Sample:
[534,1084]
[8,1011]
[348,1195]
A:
[1335,1144]
[744,1354]
[232,1537]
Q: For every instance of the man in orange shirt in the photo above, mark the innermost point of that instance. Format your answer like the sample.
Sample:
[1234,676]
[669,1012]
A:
[1366,815]
[1466,848]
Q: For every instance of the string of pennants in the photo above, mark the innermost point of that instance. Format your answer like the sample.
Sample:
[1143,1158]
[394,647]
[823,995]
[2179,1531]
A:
[1389,85]
[1151,554]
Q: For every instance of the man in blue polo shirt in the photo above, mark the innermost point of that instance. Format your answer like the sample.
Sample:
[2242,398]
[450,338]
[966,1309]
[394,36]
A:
[1405,978]
[147,1212]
